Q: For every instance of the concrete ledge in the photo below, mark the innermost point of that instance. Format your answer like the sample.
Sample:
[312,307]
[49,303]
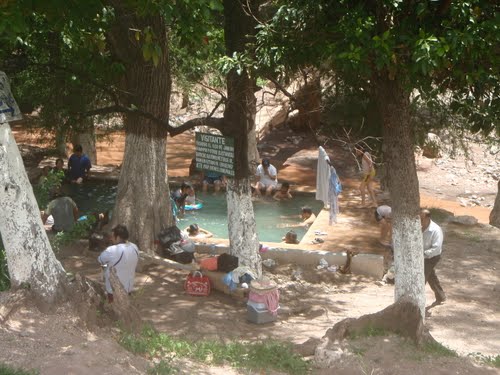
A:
[363,264]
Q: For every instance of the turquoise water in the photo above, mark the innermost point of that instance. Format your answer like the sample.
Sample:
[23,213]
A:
[270,215]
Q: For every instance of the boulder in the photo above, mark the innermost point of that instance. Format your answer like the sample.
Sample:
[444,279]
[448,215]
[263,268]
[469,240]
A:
[464,220]
[432,146]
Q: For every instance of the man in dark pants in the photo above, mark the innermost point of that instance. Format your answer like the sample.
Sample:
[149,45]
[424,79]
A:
[432,237]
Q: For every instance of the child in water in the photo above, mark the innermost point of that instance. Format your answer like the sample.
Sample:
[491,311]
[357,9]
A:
[283,193]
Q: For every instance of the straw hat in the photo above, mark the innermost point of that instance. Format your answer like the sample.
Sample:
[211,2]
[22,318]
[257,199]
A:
[262,285]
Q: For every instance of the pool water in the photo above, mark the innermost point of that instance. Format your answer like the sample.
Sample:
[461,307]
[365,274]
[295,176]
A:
[271,216]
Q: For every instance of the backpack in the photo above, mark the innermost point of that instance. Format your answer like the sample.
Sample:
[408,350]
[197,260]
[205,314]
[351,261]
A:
[227,263]
[168,236]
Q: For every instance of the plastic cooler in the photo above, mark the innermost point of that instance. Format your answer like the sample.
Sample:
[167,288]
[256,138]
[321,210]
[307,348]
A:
[257,313]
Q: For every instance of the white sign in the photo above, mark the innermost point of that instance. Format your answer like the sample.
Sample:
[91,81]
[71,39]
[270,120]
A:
[9,111]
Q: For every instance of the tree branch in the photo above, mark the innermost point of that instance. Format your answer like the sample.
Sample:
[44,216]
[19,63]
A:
[282,89]
[213,122]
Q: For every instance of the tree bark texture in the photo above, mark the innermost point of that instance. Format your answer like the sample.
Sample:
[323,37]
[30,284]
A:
[240,112]
[143,203]
[308,103]
[30,258]
[243,239]
[394,103]
[495,212]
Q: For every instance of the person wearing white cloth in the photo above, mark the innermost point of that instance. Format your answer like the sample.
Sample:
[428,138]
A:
[432,236]
[123,256]
[267,177]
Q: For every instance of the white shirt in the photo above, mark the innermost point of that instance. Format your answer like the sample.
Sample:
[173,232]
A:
[433,240]
[264,178]
[123,257]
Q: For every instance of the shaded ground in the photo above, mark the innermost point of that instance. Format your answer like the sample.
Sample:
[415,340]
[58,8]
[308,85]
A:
[468,321]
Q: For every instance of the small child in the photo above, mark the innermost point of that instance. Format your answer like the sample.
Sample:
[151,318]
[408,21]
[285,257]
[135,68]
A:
[194,231]
[307,216]
[290,237]
[283,192]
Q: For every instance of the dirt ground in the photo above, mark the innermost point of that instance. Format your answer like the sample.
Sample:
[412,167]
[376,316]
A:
[468,322]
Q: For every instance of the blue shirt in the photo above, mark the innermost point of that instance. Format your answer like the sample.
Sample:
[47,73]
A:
[78,166]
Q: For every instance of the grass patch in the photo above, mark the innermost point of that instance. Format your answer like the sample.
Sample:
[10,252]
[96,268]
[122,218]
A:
[437,349]
[252,356]
[9,370]
[493,361]
[369,331]
[4,272]
[162,368]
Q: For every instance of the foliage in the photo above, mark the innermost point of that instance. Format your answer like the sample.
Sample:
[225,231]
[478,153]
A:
[439,50]
[9,370]
[493,360]
[254,356]
[81,229]
[162,368]
[438,349]
[47,186]
[369,331]
[4,271]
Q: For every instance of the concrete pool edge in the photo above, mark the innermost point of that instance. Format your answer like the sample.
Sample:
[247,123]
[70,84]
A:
[363,264]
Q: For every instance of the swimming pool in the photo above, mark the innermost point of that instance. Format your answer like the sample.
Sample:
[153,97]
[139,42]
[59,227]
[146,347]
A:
[270,215]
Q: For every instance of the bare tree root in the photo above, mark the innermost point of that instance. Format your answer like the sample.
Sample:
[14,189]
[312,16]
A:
[402,318]
[126,312]
[90,302]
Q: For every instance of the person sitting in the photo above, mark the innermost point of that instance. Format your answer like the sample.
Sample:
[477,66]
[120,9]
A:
[194,231]
[123,256]
[63,210]
[212,178]
[191,197]
[45,173]
[267,178]
[290,237]
[78,166]
[283,193]
[383,215]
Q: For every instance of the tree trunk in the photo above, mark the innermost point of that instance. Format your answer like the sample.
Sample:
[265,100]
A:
[495,212]
[394,104]
[86,138]
[243,239]
[60,139]
[240,112]
[308,103]
[30,258]
[143,203]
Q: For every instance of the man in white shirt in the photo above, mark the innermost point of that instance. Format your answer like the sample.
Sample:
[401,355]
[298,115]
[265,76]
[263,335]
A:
[432,237]
[267,178]
[123,256]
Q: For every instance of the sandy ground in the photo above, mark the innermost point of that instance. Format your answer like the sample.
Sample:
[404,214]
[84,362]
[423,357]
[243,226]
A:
[468,322]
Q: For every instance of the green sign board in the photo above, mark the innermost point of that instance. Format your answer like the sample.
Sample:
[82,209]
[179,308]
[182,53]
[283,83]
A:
[215,153]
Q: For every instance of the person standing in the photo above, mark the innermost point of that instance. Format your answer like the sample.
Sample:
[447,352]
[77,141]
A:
[267,178]
[432,236]
[368,170]
[78,165]
[123,256]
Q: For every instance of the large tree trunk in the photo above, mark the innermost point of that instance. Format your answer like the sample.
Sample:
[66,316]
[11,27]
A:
[86,138]
[243,238]
[240,112]
[30,258]
[394,104]
[495,212]
[143,203]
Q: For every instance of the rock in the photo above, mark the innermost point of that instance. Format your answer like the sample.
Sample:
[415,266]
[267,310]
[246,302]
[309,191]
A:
[432,146]
[325,357]
[269,263]
[464,220]
[307,348]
